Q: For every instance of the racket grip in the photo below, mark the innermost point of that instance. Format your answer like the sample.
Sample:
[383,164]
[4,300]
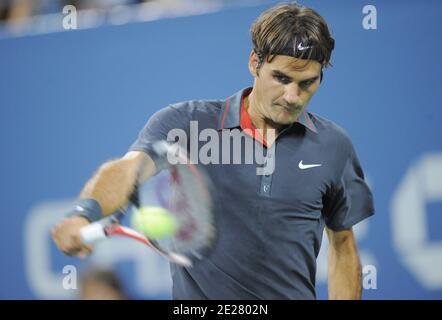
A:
[92,233]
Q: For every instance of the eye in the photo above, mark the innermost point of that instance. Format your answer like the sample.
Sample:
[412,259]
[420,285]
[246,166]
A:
[306,84]
[282,79]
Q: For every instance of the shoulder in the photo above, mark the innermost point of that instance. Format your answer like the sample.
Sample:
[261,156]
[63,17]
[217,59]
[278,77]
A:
[193,106]
[205,113]
[332,134]
[185,111]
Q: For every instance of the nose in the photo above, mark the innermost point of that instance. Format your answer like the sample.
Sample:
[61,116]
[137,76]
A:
[291,94]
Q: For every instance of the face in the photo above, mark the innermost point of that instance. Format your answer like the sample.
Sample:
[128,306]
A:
[283,87]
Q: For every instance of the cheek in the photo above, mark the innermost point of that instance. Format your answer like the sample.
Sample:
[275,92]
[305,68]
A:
[307,96]
[312,90]
[270,91]
[275,91]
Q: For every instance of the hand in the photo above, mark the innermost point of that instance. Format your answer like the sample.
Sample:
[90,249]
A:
[67,238]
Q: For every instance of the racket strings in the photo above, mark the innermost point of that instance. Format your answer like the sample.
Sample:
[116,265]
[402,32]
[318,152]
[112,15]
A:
[192,207]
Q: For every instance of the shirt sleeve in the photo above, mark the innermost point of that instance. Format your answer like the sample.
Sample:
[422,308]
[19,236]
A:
[171,121]
[350,200]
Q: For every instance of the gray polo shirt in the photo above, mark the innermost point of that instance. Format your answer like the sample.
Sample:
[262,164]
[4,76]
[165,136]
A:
[270,226]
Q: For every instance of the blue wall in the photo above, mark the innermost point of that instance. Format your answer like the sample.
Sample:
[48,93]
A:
[72,100]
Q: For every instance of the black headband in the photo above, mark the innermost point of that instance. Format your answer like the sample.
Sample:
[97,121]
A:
[303,50]
[300,49]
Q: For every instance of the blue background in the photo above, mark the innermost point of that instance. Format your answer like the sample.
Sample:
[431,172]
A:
[71,100]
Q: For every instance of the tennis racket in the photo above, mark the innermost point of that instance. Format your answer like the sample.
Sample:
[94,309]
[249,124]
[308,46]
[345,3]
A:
[182,189]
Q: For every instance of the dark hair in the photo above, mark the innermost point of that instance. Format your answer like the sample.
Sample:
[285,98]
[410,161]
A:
[293,30]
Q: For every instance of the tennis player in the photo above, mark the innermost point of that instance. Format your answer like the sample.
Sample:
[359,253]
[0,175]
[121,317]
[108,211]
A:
[270,226]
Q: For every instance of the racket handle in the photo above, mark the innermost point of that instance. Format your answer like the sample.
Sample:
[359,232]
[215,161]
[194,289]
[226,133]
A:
[92,233]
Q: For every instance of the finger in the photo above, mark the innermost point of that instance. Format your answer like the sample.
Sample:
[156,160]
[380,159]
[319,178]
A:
[70,246]
[84,252]
[70,252]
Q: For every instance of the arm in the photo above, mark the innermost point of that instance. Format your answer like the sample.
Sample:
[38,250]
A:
[111,187]
[113,183]
[344,268]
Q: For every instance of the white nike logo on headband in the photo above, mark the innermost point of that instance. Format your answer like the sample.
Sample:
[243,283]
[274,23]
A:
[301,48]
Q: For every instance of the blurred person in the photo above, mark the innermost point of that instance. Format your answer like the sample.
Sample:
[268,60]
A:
[105,4]
[16,10]
[270,227]
[101,284]
[20,9]
[5,6]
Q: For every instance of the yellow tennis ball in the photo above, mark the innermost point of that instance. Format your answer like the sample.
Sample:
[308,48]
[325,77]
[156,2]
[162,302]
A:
[154,222]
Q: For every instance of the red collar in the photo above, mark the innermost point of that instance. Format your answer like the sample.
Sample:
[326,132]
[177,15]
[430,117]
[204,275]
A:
[248,126]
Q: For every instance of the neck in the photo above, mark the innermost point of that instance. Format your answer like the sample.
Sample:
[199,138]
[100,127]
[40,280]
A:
[253,107]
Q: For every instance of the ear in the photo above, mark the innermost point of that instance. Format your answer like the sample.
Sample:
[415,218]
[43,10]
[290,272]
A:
[253,63]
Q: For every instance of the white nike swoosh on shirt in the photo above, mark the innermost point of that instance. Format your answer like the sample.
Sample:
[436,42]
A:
[307,166]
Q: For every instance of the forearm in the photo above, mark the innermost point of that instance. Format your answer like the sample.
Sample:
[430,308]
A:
[344,273]
[113,183]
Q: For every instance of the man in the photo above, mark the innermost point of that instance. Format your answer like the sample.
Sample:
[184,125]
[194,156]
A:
[101,284]
[269,226]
